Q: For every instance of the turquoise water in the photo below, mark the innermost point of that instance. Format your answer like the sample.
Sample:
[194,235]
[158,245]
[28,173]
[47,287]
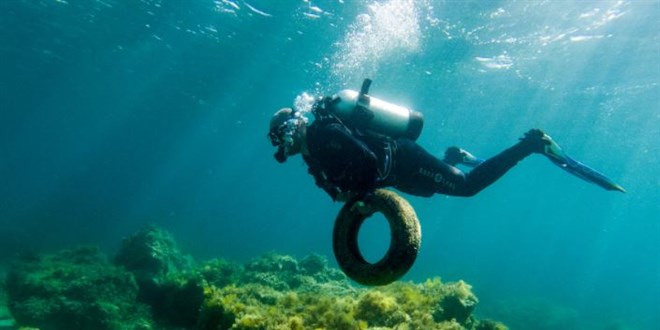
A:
[114,114]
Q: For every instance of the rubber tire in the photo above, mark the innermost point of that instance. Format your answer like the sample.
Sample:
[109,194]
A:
[406,238]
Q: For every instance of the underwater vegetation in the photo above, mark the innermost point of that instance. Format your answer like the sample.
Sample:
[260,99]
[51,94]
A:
[5,317]
[74,289]
[150,284]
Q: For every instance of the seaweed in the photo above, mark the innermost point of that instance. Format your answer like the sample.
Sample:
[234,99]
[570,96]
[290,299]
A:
[152,285]
[74,289]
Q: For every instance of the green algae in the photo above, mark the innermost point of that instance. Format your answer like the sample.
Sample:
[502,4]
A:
[74,289]
[152,285]
[6,320]
[152,254]
[269,301]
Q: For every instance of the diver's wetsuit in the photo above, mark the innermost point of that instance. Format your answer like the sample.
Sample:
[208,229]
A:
[342,160]
[339,161]
[417,172]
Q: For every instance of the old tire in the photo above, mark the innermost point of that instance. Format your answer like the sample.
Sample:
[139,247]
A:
[404,244]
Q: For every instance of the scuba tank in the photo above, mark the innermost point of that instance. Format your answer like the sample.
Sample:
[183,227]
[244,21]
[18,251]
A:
[374,115]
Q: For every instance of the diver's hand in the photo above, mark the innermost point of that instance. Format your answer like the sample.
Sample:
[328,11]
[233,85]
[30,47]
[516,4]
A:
[359,205]
[344,196]
[363,208]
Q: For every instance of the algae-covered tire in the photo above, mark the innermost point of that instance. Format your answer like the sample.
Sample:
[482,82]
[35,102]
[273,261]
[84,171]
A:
[405,240]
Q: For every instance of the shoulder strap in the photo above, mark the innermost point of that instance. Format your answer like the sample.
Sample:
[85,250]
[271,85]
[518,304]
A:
[323,114]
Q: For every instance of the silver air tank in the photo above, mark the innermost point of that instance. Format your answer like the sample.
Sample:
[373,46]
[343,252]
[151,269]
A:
[376,115]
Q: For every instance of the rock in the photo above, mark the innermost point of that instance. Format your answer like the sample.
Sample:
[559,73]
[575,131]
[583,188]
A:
[313,264]
[458,303]
[74,289]
[152,254]
[164,276]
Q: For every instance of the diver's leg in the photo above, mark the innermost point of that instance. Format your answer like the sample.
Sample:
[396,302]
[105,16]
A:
[489,171]
[419,173]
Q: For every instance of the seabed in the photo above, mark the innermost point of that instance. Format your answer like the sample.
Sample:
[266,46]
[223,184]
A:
[150,284]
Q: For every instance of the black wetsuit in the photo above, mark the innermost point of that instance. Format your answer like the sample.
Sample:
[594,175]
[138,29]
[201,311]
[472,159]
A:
[344,160]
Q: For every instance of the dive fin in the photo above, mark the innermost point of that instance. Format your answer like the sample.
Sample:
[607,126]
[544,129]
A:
[582,171]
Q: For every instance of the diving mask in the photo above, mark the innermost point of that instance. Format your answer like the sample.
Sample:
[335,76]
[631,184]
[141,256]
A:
[282,135]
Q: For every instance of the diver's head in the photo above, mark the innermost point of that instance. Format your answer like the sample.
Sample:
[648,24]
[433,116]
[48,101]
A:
[286,132]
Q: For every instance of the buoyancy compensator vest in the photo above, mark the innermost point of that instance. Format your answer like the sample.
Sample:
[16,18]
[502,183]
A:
[370,114]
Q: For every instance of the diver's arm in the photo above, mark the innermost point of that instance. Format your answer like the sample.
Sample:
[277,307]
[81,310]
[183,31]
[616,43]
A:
[360,161]
[340,164]
[353,146]
[322,182]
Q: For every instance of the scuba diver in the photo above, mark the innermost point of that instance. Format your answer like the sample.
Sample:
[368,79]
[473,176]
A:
[357,143]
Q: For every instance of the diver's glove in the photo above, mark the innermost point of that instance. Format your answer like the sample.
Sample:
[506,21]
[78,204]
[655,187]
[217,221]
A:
[359,201]
[344,196]
[363,208]
[362,205]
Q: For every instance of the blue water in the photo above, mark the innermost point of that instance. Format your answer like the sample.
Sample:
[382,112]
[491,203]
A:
[114,114]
